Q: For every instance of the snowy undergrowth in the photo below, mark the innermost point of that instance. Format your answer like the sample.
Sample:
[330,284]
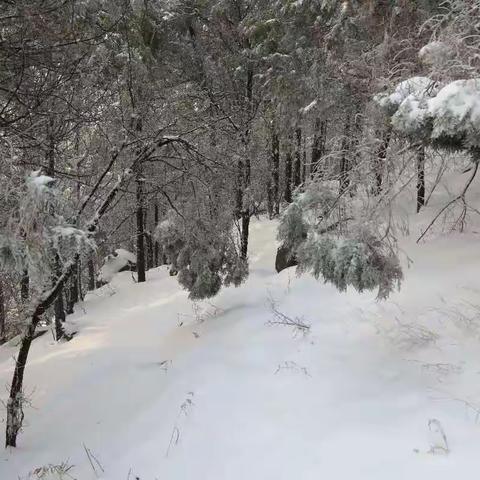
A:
[154,386]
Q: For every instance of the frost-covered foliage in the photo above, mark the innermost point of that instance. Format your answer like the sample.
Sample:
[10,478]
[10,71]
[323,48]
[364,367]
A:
[416,87]
[327,242]
[436,54]
[408,105]
[205,255]
[452,53]
[360,261]
[455,113]
[37,233]
[447,117]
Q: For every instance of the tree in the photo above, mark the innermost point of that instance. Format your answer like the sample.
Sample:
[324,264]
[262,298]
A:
[331,238]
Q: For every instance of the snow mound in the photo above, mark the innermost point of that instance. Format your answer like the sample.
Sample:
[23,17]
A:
[114,263]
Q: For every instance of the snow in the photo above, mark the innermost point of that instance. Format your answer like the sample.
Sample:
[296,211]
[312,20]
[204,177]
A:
[408,104]
[416,87]
[309,107]
[456,110]
[155,386]
[411,116]
[39,182]
[62,231]
[113,263]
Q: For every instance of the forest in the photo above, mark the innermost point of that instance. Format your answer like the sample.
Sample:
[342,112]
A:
[170,144]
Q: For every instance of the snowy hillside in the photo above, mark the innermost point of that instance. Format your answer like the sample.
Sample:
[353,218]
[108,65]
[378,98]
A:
[161,162]
[156,387]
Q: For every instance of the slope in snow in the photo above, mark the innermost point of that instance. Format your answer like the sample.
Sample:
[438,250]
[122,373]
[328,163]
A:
[160,388]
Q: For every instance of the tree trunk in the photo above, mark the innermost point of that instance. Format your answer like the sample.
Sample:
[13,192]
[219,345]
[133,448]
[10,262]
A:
[59,315]
[156,249]
[297,171]
[73,292]
[345,159]
[244,240]
[140,230]
[270,200]
[318,147]
[2,313]
[274,161]
[81,295]
[245,173]
[276,173]
[91,274]
[245,214]
[420,177]
[355,154]
[304,160]
[380,160]
[25,286]
[149,241]
[59,307]
[16,399]
[239,190]
[288,173]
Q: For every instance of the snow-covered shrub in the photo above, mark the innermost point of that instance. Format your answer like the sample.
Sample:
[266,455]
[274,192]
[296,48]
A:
[416,87]
[359,260]
[320,231]
[205,256]
[38,233]
[408,106]
[447,117]
[455,112]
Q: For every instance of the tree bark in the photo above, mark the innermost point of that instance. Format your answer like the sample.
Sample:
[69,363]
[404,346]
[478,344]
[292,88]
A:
[79,281]
[149,242]
[297,171]
[420,177]
[25,286]
[345,159]
[288,173]
[2,313]
[304,160]
[318,147]
[140,229]
[16,399]
[59,307]
[245,169]
[245,230]
[276,172]
[380,160]
[273,187]
[73,291]
[91,274]
[156,249]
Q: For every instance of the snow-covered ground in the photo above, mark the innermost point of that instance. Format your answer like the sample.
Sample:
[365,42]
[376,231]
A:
[157,387]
